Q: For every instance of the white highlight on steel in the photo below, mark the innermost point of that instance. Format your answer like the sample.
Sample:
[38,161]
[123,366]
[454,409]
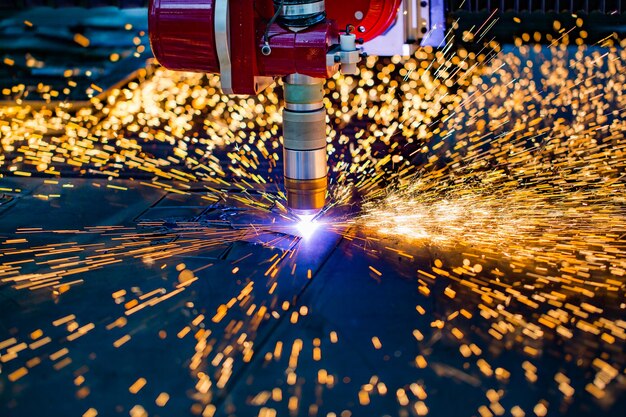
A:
[307,225]
[222,44]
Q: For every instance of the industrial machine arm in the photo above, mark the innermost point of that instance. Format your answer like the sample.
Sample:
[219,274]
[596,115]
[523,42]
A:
[251,43]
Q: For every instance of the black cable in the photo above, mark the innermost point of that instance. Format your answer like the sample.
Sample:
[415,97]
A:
[266,50]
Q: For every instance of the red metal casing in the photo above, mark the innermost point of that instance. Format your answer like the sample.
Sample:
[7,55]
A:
[246,16]
[377,15]
[301,52]
[182,35]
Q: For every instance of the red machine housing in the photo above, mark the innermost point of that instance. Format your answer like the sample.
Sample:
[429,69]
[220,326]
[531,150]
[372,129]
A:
[376,16]
[299,52]
[183,37]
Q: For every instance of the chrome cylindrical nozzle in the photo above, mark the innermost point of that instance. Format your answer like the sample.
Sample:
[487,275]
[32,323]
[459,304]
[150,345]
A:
[304,135]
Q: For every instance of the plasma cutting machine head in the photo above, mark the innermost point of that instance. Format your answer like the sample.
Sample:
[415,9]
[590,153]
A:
[251,43]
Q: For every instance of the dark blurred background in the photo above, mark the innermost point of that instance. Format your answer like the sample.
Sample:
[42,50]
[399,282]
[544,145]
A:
[68,50]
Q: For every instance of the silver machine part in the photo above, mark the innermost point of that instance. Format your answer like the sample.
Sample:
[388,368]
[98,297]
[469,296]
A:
[222,44]
[305,165]
[345,56]
[304,128]
[303,107]
[304,94]
[301,79]
[303,9]
[304,122]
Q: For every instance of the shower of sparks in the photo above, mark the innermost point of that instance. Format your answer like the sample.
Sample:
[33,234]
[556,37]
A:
[506,166]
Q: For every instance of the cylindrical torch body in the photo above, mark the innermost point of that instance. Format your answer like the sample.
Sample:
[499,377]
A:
[304,143]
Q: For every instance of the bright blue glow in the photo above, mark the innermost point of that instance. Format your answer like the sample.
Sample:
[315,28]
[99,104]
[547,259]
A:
[307,226]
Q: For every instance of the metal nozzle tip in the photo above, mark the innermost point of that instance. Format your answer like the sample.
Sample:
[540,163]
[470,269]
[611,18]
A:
[306,213]
[306,197]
